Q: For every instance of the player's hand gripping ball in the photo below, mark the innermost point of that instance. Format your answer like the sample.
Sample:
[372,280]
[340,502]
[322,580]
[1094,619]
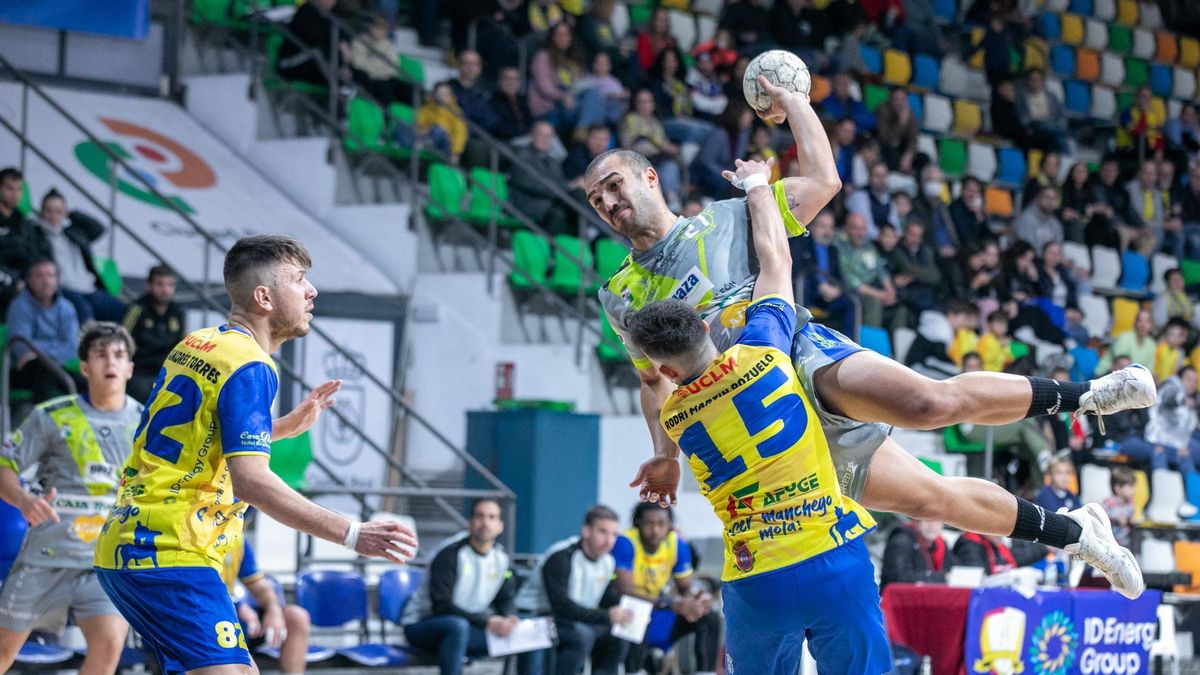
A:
[782,69]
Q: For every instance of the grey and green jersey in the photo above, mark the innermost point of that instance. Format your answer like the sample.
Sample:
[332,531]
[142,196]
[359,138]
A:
[79,451]
[707,260]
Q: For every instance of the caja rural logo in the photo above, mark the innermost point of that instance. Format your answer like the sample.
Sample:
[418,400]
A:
[162,162]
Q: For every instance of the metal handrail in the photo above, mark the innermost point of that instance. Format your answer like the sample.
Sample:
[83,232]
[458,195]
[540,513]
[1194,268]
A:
[397,399]
[5,386]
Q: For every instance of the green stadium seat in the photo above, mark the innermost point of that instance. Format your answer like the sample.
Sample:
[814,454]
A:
[110,276]
[933,464]
[609,256]
[954,441]
[25,204]
[874,95]
[610,349]
[273,81]
[952,154]
[364,126]
[414,68]
[1120,39]
[400,112]
[1137,73]
[482,206]
[290,458]
[531,261]
[567,275]
[1191,271]
[447,187]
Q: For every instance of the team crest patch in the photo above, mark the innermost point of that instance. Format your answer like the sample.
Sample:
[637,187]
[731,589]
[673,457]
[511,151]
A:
[743,557]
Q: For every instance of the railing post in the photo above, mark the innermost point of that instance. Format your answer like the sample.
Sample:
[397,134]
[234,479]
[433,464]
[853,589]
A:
[334,82]
[24,123]
[112,208]
[494,165]
[989,449]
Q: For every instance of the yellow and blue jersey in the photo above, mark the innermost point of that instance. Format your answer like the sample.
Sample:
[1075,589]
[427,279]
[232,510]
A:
[652,571]
[757,449]
[175,505]
[240,565]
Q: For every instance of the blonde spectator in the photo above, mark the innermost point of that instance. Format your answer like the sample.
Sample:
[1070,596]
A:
[440,121]
[1169,356]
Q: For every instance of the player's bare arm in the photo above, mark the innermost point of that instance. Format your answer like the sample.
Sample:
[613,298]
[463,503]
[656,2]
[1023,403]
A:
[818,181]
[766,224]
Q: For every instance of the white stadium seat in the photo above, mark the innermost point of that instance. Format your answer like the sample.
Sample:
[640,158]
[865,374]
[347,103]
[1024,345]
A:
[620,20]
[926,143]
[1157,556]
[1094,483]
[1158,267]
[1095,34]
[1096,314]
[1078,254]
[683,27]
[706,28]
[1112,69]
[1105,10]
[1056,6]
[1144,45]
[1184,84]
[1104,103]
[981,161]
[1166,496]
[955,79]
[1106,267]
[939,116]
[1149,16]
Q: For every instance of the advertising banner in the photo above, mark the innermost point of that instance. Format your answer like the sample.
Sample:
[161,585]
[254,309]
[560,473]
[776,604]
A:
[118,18]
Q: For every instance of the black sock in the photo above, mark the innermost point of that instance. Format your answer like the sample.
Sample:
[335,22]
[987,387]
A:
[1051,397]
[1043,527]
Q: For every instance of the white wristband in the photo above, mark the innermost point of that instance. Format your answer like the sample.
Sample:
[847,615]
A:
[752,181]
[351,539]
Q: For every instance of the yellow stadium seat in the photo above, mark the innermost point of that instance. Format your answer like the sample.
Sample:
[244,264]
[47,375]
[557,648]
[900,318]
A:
[820,89]
[1167,49]
[1036,50]
[1087,64]
[998,202]
[968,118]
[1033,161]
[1124,311]
[976,60]
[1072,29]
[1159,107]
[1141,494]
[1189,52]
[1127,12]
[897,67]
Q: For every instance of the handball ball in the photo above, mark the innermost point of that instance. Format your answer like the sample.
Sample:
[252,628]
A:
[782,69]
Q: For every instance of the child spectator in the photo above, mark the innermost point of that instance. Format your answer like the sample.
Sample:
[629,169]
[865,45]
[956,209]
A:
[373,59]
[964,320]
[440,123]
[601,97]
[972,362]
[995,347]
[708,95]
[1119,505]
[1169,355]
[1057,494]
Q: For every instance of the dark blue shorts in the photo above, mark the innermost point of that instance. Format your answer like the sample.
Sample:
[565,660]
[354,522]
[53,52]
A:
[830,600]
[183,613]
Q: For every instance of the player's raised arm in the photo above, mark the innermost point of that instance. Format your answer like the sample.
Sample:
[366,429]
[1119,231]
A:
[766,226]
[818,181]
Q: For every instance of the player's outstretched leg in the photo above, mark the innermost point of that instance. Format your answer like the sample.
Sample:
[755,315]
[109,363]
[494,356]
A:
[105,637]
[871,388]
[899,483]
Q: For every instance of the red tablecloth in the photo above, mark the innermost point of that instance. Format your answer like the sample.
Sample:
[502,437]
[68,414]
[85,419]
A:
[932,619]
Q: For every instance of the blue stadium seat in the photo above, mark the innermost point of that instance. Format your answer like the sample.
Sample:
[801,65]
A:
[1085,360]
[1191,482]
[1135,271]
[396,588]
[873,58]
[1050,26]
[1160,79]
[946,10]
[876,339]
[925,72]
[1010,169]
[1081,7]
[1062,60]
[918,106]
[315,654]
[335,598]
[42,652]
[1078,97]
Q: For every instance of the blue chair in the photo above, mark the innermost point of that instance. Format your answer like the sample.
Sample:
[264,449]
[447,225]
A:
[334,599]
[1160,79]
[1085,360]
[946,10]
[1081,7]
[131,657]
[873,58]
[315,654]
[396,588]
[42,651]
[1062,60]
[1191,484]
[926,72]
[12,535]
[1010,166]
[876,339]
[1050,26]
[917,103]
[1078,98]
[1135,271]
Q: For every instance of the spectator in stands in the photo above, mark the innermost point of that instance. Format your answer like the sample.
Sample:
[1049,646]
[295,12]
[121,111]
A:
[528,183]
[888,18]
[374,59]
[815,265]
[964,320]
[915,272]
[981,274]
[599,139]
[864,271]
[1148,206]
[573,583]
[1076,204]
[43,316]
[708,94]
[1176,239]
[1037,224]
[1047,175]
[998,44]
[19,242]
[1172,419]
[1114,223]
[874,204]
[440,123]
[869,154]
[995,345]
[552,74]
[1173,302]
[943,340]
[510,106]
[1183,132]
[472,96]
[902,202]
[545,14]
[673,99]
[656,39]
[1119,505]
[68,240]
[1057,494]
[888,240]
[993,555]
[941,235]
[969,218]
[916,553]
[801,28]
[501,29]
[1168,354]
[1138,344]
[1056,277]
[760,148]
[268,621]
[897,131]
[923,34]
[598,34]
[1074,327]
[1141,126]
[1189,211]
[722,50]
[972,362]
[643,132]
[1006,119]
[843,152]
[749,23]
[306,57]
[601,97]
[156,323]
[1020,279]
[648,557]
[729,140]
[692,207]
[1042,112]
[849,55]
[466,593]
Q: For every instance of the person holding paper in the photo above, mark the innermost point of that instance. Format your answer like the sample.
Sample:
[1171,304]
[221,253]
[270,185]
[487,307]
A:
[573,584]
[796,566]
[467,593]
[649,556]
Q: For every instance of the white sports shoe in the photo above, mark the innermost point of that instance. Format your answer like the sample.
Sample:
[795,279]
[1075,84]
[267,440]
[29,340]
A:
[1125,389]
[1098,548]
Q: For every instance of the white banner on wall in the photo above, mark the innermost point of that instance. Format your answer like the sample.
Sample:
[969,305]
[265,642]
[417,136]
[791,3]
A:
[191,168]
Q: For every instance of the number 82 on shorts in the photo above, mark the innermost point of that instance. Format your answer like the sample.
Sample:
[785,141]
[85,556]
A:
[229,635]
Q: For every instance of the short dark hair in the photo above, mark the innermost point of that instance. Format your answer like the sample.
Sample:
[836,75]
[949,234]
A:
[253,260]
[11,173]
[40,260]
[972,355]
[667,328]
[997,315]
[1177,322]
[971,179]
[52,194]
[957,306]
[642,508]
[1171,272]
[487,500]
[100,334]
[160,271]
[1121,475]
[599,512]
[634,161]
[598,127]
